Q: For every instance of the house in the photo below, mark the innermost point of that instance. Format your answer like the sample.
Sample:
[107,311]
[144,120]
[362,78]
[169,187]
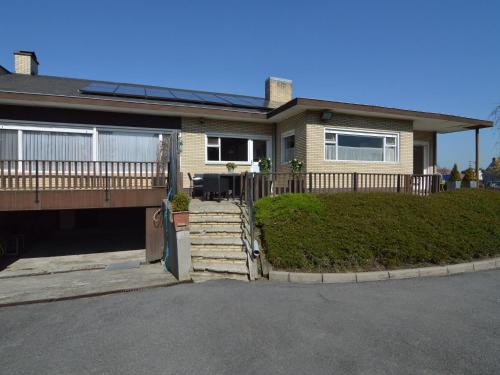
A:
[86,137]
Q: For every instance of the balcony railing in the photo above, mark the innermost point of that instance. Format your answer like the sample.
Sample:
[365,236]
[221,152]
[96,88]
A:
[39,175]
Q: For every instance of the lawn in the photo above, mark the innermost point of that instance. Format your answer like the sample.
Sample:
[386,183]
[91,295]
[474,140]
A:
[370,231]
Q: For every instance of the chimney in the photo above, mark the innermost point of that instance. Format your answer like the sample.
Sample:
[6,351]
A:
[278,91]
[25,62]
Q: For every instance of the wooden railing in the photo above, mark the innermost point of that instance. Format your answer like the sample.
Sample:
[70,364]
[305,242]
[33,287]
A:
[258,185]
[38,175]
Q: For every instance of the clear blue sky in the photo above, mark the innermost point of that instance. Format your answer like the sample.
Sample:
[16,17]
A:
[441,56]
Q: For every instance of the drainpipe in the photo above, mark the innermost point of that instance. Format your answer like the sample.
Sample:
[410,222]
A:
[274,142]
[477,156]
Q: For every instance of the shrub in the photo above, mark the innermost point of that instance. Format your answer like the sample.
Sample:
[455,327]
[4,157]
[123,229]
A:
[180,202]
[469,175]
[265,165]
[368,231]
[454,174]
[295,166]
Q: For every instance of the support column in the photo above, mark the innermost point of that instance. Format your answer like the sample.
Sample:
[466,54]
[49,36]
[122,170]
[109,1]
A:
[477,156]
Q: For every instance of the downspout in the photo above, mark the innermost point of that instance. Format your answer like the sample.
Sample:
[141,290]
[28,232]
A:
[275,151]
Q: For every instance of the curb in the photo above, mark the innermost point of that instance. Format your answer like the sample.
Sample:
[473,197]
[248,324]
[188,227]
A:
[359,277]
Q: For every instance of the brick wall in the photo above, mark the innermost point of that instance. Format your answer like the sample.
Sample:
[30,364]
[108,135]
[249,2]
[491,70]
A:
[193,143]
[296,123]
[315,140]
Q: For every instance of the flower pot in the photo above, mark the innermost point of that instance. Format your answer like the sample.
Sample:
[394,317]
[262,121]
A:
[452,185]
[181,220]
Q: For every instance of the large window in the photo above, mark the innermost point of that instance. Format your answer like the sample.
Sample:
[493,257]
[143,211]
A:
[287,147]
[39,145]
[128,146]
[225,149]
[354,146]
[8,144]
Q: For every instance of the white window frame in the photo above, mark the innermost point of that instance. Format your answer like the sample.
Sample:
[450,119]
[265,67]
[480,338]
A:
[94,130]
[248,137]
[368,133]
[284,135]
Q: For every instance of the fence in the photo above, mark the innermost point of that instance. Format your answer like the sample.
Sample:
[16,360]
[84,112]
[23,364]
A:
[37,175]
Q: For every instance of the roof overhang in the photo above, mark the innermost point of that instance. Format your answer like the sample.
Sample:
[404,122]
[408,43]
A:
[422,121]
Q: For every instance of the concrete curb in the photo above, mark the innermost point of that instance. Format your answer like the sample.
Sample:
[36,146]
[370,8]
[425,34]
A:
[359,277]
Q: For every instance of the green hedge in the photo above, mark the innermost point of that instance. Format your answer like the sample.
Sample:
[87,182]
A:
[367,231]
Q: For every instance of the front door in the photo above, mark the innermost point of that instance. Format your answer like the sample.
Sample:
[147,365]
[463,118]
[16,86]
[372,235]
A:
[418,159]
[261,149]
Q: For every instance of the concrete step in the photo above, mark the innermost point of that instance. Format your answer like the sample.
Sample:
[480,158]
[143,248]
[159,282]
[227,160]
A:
[200,277]
[217,248]
[208,219]
[217,241]
[220,267]
[211,229]
[233,255]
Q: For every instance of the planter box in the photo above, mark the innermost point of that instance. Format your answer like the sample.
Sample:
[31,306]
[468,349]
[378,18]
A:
[181,220]
[470,184]
[452,185]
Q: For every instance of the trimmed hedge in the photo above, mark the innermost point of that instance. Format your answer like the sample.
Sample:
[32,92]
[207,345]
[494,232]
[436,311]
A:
[367,231]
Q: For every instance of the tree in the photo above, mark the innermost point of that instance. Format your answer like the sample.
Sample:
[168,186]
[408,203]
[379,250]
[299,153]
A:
[454,174]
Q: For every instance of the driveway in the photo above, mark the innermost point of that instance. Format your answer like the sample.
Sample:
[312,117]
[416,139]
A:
[445,325]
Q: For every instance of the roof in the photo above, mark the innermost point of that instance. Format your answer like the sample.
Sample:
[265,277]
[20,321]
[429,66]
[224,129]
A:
[42,90]
[72,87]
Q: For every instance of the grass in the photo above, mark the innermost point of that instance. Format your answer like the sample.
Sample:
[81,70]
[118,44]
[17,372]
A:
[369,231]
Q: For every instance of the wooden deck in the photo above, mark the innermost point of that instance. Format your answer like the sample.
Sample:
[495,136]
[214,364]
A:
[55,185]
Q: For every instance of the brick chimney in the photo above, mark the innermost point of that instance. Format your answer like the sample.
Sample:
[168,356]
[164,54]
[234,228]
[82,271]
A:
[278,91]
[25,62]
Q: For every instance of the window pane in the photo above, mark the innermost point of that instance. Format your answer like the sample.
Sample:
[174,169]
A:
[213,141]
[234,149]
[56,146]
[8,145]
[390,141]
[390,154]
[330,151]
[122,146]
[288,148]
[330,137]
[357,147]
[259,150]
[213,154]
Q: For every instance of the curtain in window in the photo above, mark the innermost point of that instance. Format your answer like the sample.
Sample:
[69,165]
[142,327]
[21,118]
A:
[330,151]
[121,146]
[8,145]
[39,145]
[354,147]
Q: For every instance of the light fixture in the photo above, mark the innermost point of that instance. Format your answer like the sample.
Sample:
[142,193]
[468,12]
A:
[326,115]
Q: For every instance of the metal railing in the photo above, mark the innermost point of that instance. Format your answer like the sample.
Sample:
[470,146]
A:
[39,175]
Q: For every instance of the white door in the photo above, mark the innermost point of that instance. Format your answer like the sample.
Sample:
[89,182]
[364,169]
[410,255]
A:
[261,148]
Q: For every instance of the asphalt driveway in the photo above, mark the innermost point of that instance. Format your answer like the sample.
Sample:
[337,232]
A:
[445,325]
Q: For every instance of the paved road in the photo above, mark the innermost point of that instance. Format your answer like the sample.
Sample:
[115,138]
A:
[445,325]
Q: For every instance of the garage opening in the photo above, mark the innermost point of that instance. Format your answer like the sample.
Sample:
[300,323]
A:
[66,240]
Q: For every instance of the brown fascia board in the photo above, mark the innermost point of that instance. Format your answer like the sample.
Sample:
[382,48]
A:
[373,109]
[124,106]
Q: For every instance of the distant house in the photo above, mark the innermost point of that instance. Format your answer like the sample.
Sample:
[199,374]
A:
[490,178]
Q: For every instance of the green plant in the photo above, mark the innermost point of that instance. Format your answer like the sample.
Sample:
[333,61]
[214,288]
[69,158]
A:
[180,202]
[454,174]
[265,165]
[230,166]
[469,175]
[295,166]
[370,231]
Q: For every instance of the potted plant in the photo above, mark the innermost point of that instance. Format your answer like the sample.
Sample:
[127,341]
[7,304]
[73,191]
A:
[265,165]
[296,166]
[454,180]
[265,171]
[469,179]
[230,167]
[180,211]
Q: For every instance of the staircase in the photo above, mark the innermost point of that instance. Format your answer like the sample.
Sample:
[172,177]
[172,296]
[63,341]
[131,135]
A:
[217,248]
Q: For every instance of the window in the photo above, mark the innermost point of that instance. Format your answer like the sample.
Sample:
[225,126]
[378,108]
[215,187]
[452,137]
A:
[128,146]
[222,149]
[45,145]
[353,146]
[287,147]
[8,144]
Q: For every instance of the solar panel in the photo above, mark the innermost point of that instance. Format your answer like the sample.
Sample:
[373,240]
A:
[173,95]
[130,91]
[159,94]
[100,88]
[185,95]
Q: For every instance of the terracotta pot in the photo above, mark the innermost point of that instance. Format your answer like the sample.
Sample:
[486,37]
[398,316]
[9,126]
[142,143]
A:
[181,220]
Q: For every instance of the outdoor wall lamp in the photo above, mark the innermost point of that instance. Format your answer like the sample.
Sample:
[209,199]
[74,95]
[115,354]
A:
[326,115]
